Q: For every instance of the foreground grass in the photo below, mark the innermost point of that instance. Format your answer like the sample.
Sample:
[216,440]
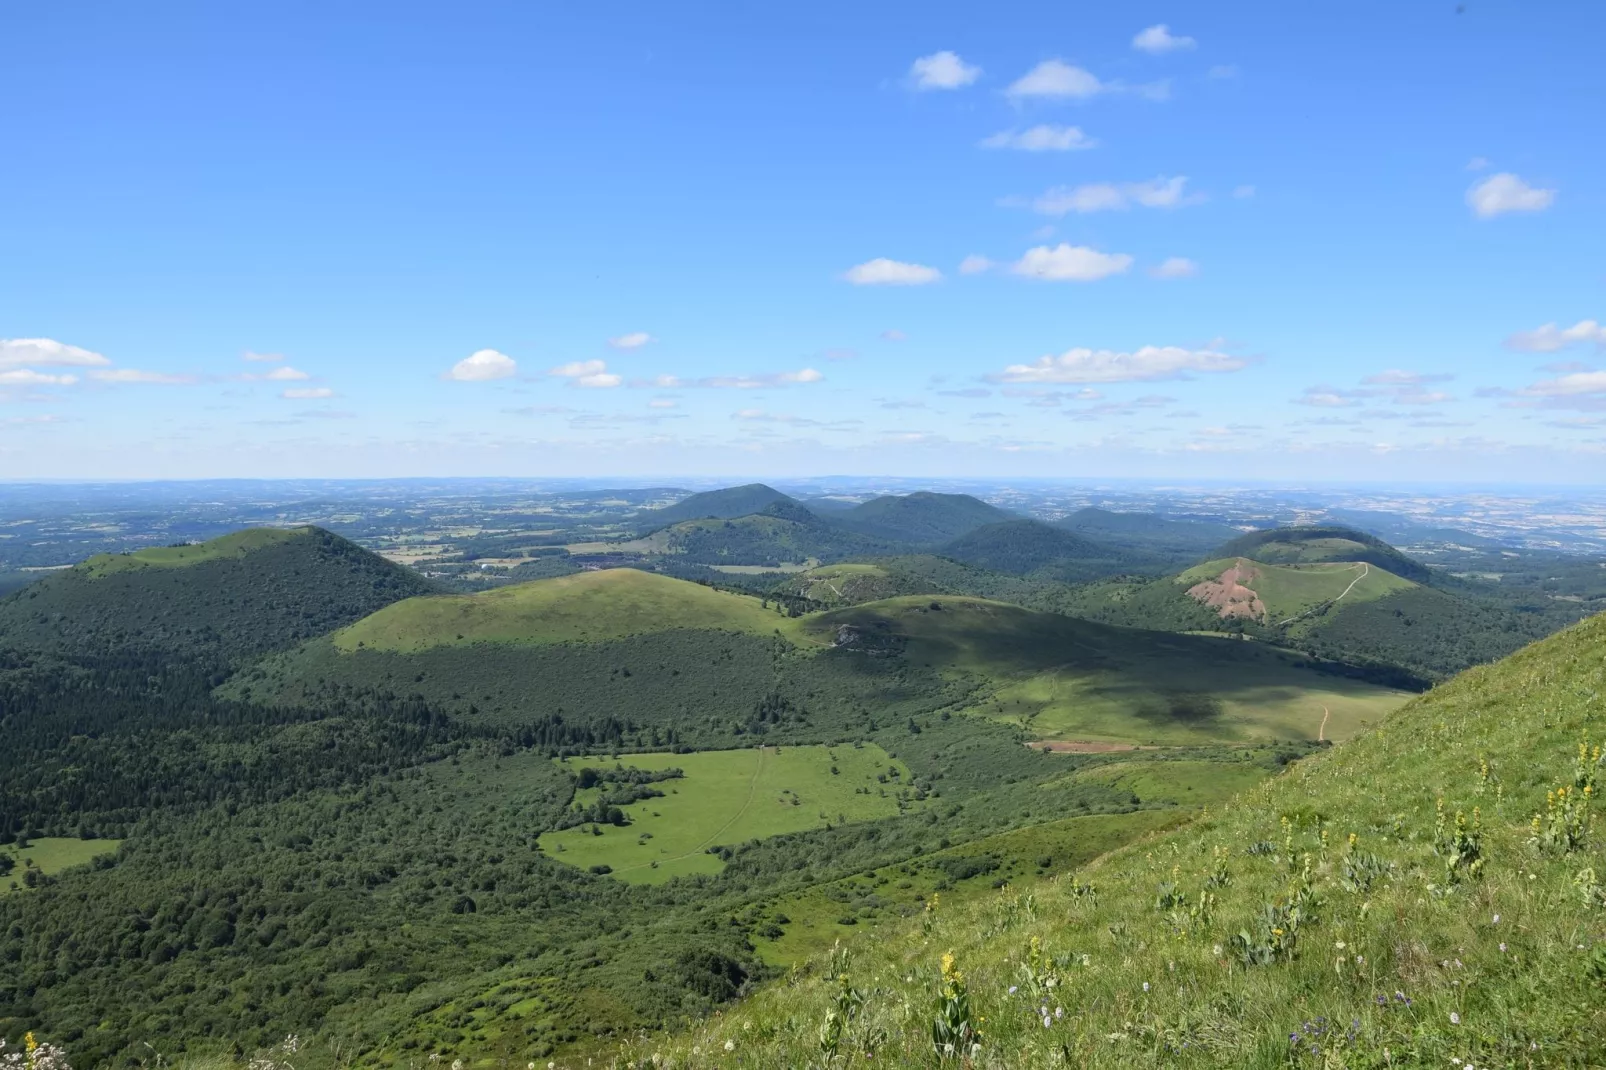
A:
[1333,917]
[727,797]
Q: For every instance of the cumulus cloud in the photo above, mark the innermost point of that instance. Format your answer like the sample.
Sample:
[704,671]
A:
[307,393]
[1175,267]
[1112,196]
[46,353]
[483,366]
[884,272]
[942,70]
[1568,385]
[1550,338]
[286,373]
[1157,40]
[1041,138]
[974,265]
[1070,263]
[587,374]
[1327,397]
[1056,79]
[1397,377]
[262,358]
[1148,364]
[633,340]
[1505,192]
[754,382]
[135,375]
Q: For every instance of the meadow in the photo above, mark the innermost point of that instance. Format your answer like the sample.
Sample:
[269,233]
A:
[1289,591]
[49,855]
[729,797]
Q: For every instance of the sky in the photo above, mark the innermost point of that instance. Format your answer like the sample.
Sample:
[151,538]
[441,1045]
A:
[1238,240]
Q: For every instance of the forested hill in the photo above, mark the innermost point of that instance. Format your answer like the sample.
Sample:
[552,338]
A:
[724,504]
[1033,548]
[1146,531]
[1310,545]
[923,518]
[239,595]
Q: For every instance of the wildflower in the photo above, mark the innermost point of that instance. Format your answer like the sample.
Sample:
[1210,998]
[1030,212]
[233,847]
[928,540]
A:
[1013,989]
[1455,1019]
[1497,919]
[1502,948]
[730,1045]
[1059,1012]
[1145,986]
[1047,1021]
[1339,945]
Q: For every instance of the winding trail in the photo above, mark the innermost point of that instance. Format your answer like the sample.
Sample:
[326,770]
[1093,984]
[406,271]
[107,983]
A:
[752,792]
[1321,733]
[1365,569]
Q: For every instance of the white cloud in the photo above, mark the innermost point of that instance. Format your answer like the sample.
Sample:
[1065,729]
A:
[974,265]
[287,373]
[575,369]
[134,375]
[1056,79]
[1505,192]
[1175,267]
[1147,364]
[662,403]
[1416,395]
[893,335]
[598,381]
[1327,397]
[29,377]
[46,352]
[1110,196]
[263,358]
[884,272]
[20,421]
[1157,40]
[1568,385]
[1070,263]
[660,382]
[633,340]
[1041,138]
[1397,377]
[1550,338]
[754,382]
[942,70]
[482,366]
[307,393]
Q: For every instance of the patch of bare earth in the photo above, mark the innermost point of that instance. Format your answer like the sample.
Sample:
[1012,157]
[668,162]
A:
[1081,746]
[1230,594]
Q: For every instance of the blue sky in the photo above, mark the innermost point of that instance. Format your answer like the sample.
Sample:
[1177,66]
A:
[1240,240]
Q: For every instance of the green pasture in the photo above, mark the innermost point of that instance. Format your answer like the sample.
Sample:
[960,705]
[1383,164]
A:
[1182,782]
[728,797]
[1290,590]
[50,855]
[235,544]
[1062,678]
[585,607]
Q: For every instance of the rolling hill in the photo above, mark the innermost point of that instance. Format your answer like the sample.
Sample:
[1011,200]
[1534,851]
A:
[1334,592]
[921,519]
[782,532]
[1416,896]
[1033,548]
[1177,539]
[724,504]
[236,596]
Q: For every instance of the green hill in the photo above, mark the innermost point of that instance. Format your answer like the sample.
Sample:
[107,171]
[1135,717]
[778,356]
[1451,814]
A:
[1033,548]
[923,518]
[780,533]
[1431,893]
[724,504]
[1146,531]
[252,591]
[1312,545]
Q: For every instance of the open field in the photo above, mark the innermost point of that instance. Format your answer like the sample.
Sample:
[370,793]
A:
[237,544]
[1289,591]
[586,607]
[1061,678]
[727,797]
[50,855]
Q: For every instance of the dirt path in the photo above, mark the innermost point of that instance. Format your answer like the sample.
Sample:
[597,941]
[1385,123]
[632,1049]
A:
[1365,568]
[752,792]
[1321,733]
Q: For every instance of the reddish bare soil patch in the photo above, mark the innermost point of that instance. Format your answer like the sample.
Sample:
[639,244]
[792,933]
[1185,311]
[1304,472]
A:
[1230,593]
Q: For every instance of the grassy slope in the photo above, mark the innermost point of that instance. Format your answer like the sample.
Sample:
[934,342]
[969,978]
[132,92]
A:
[1503,969]
[585,607]
[1065,678]
[724,503]
[727,797]
[1308,545]
[234,545]
[1289,591]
